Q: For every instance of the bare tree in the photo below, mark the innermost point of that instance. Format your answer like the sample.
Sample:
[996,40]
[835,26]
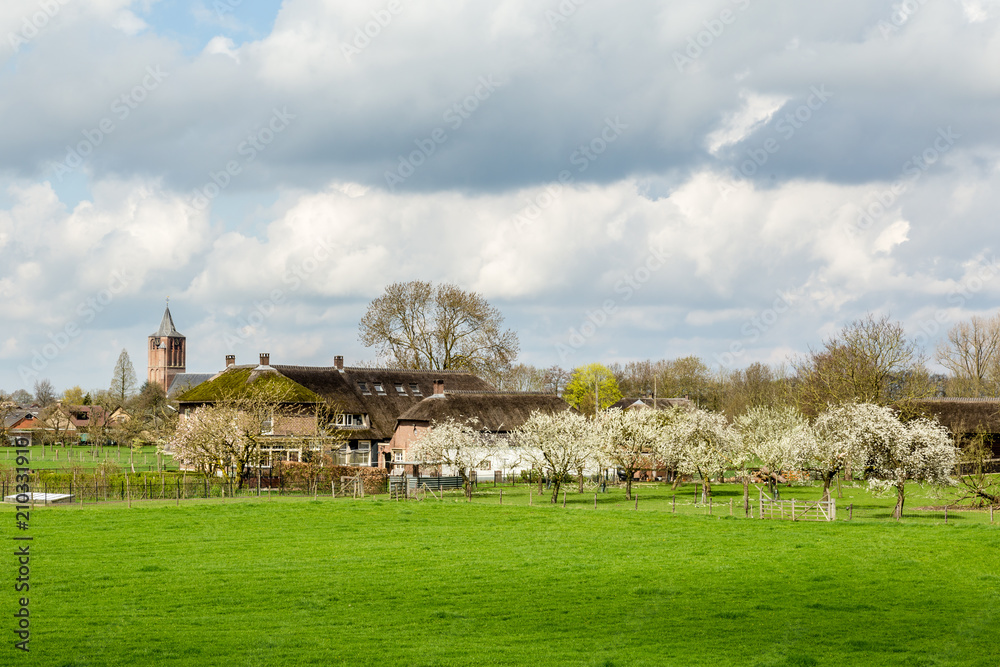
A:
[420,325]
[522,377]
[123,380]
[971,352]
[870,361]
[45,395]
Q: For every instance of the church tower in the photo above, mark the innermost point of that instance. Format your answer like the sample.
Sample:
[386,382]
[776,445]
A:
[167,352]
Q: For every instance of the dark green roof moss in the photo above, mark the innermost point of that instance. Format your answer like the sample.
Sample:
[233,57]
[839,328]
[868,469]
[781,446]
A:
[238,383]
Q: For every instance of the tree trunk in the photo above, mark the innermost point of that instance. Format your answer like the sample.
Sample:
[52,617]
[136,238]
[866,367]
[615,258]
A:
[706,488]
[827,478]
[677,481]
[580,478]
[541,482]
[555,490]
[900,497]
[628,487]
[746,495]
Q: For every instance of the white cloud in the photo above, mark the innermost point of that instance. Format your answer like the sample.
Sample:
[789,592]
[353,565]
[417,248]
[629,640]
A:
[756,110]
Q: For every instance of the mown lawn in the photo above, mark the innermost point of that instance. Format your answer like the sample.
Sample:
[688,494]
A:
[375,582]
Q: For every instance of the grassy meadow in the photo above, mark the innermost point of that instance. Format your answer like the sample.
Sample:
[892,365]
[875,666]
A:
[292,581]
[50,457]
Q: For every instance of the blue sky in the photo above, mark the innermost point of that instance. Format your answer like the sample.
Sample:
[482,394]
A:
[731,179]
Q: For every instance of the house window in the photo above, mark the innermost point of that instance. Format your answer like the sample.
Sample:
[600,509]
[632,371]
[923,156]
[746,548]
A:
[414,389]
[354,454]
[399,389]
[363,386]
[397,455]
[349,421]
[267,425]
[379,389]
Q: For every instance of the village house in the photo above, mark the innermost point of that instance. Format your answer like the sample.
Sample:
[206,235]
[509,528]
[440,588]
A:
[365,416]
[353,409]
[59,423]
[495,413]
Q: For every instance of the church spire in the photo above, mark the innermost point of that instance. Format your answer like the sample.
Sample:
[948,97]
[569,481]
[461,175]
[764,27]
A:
[167,328]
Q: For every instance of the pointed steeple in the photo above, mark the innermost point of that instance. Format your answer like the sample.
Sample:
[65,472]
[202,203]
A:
[167,328]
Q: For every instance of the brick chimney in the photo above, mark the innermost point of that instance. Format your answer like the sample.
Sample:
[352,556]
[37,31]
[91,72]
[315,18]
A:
[230,360]
[338,361]
[439,387]
[265,359]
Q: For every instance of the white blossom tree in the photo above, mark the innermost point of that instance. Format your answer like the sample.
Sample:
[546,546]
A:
[834,444]
[708,443]
[627,440]
[215,438]
[457,445]
[558,444]
[779,437]
[921,450]
[670,450]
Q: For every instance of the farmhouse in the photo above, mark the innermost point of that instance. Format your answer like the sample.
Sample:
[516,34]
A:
[354,409]
[496,413]
[649,402]
[967,417]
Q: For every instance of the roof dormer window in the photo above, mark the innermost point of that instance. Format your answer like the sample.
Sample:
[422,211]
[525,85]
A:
[400,389]
[379,389]
[363,386]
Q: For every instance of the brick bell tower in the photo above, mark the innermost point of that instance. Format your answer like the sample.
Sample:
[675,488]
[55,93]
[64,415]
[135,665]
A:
[167,352]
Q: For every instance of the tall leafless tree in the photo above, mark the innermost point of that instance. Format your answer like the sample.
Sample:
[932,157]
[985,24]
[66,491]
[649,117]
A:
[420,325]
[971,352]
[870,361]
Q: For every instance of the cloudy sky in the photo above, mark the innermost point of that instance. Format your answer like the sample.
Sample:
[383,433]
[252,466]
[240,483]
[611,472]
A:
[734,179]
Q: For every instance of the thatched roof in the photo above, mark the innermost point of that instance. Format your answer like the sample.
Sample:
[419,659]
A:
[964,415]
[341,389]
[497,411]
[661,403]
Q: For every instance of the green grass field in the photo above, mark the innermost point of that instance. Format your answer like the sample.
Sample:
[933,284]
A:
[57,458]
[378,582]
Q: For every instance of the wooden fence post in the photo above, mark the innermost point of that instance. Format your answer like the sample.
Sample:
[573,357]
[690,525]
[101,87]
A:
[673,504]
[730,507]
[850,512]
[128,490]
[637,501]
[564,498]
[946,515]
[793,509]
[501,495]
[595,500]
[529,496]
[710,505]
